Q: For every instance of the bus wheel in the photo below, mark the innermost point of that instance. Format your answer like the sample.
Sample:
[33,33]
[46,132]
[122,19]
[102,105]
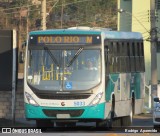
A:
[71,124]
[63,124]
[101,124]
[133,104]
[44,123]
[116,122]
[60,124]
[127,121]
[113,107]
[156,127]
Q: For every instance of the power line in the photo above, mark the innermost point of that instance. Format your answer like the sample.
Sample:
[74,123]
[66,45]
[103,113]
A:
[53,6]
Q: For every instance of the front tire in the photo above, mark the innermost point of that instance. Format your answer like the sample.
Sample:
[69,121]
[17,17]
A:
[60,124]
[65,124]
[40,123]
[127,121]
[157,126]
[116,122]
[100,124]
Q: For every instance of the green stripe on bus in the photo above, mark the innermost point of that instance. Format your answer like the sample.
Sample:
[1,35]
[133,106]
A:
[90,112]
[138,86]
[110,87]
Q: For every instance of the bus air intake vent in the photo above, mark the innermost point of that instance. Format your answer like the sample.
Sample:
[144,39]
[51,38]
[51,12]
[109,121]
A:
[53,113]
[62,97]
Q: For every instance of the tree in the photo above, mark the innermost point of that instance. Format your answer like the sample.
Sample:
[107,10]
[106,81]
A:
[93,13]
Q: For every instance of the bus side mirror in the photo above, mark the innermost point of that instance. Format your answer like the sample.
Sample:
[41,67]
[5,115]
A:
[156,99]
[21,57]
[21,53]
[24,44]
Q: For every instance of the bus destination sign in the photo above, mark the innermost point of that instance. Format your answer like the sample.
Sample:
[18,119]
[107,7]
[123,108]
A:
[61,39]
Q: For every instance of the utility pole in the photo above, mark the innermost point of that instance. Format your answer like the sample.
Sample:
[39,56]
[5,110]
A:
[43,14]
[62,13]
[20,27]
[7,5]
[153,34]
[27,27]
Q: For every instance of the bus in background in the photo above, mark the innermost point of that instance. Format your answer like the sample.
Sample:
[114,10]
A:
[83,75]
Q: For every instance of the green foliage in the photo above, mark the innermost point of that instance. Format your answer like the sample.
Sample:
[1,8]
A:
[66,13]
[93,13]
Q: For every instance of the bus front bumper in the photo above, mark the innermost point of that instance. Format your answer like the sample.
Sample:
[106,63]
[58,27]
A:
[78,113]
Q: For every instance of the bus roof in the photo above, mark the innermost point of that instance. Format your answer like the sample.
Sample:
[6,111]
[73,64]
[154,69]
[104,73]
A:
[108,34]
[123,35]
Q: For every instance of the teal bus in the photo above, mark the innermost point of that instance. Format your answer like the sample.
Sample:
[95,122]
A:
[83,74]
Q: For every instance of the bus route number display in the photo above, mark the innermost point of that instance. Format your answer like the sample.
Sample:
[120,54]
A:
[52,39]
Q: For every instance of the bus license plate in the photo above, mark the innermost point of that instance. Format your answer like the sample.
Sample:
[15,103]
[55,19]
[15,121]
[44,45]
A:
[60,116]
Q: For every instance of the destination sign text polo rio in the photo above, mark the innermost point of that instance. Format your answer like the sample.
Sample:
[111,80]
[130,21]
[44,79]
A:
[65,39]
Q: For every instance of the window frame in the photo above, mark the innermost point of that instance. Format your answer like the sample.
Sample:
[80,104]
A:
[128,56]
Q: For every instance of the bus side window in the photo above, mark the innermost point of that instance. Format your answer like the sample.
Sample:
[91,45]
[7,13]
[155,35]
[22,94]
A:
[106,51]
[118,56]
[107,63]
[125,63]
[114,58]
[106,54]
[132,57]
[142,45]
[141,57]
[127,58]
[111,55]
[137,57]
[122,56]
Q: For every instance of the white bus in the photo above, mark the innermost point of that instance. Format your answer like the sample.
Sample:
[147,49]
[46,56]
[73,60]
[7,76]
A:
[83,75]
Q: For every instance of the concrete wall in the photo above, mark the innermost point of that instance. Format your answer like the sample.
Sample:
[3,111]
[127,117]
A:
[6,103]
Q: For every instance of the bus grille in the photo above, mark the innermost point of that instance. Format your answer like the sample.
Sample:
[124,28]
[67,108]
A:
[53,113]
[157,119]
[62,97]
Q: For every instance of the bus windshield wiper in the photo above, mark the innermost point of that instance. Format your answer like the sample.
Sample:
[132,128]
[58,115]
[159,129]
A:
[75,56]
[51,55]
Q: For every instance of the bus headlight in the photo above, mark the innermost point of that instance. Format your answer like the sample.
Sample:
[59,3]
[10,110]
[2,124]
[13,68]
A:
[97,99]
[30,99]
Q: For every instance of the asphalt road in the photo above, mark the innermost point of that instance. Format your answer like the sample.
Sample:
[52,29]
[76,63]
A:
[143,120]
[140,122]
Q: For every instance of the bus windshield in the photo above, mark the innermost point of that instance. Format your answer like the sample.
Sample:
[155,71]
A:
[64,70]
